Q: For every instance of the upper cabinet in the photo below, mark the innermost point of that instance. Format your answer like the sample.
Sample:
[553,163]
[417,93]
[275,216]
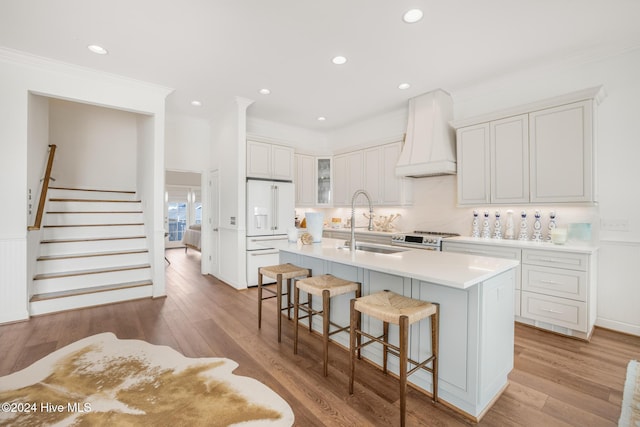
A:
[269,161]
[347,177]
[380,180]
[562,154]
[305,180]
[538,153]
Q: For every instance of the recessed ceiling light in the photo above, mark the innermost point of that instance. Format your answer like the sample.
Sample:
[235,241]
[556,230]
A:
[339,60]
[264,91]
[411,16]
[404,86]
[322,119]
[196,103]
[97,49]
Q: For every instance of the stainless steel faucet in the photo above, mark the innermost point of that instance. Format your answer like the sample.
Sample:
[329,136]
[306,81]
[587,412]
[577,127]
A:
[352,244]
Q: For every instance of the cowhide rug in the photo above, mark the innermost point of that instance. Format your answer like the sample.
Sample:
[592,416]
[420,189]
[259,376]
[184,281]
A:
[102,380]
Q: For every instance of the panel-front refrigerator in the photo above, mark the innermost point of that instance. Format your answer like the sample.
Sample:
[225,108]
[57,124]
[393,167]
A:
[270,212]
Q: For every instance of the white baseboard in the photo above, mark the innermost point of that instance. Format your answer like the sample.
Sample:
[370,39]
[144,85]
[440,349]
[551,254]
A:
[618,326]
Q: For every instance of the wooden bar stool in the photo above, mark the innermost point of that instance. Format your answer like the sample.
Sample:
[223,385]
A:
[327,286]
[390,307]
[279,273]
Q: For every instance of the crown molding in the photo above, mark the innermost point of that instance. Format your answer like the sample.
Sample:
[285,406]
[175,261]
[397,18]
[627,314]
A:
[47,64]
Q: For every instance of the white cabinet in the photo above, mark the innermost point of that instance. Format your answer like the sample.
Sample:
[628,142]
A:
[555,289]
[562,154]
[269,161]
[380,180]
[305,179]
[493,162]
[510,160]
[491,251]
[347,178]
[473,162]
[538,153]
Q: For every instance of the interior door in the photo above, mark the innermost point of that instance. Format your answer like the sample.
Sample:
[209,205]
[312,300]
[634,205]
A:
[214,223]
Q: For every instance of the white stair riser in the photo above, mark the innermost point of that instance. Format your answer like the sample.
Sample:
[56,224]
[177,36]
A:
[54,193]
[92,232]
[68,206]
[90,263]
[89,300]
[51,249]
[69,283]
[93,218]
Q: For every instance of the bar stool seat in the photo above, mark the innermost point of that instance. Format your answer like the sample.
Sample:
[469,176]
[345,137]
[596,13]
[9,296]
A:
[327,286]
[278,272]
[392,308]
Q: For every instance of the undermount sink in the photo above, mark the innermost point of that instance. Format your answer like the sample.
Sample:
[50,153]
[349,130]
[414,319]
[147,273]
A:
[371,247]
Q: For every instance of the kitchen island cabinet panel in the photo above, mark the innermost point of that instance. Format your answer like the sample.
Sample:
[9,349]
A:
[476,306]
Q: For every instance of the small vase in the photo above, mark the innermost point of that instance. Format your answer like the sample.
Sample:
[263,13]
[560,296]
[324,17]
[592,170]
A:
[486,229]
[523,235]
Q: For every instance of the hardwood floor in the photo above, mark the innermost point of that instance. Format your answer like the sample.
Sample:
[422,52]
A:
[557,381]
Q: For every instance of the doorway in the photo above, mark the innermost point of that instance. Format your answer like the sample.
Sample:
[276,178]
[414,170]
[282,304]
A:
[183,206]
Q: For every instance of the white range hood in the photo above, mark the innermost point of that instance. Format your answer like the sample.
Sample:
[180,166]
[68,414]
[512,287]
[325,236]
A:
[429,147]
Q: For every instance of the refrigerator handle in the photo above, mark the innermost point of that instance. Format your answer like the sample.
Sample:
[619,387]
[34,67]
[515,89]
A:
[277,207]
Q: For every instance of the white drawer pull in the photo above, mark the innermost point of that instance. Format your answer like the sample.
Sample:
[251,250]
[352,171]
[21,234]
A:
[550,282]
[548,310]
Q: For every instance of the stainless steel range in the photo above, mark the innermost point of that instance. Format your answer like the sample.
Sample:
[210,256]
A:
[429,240]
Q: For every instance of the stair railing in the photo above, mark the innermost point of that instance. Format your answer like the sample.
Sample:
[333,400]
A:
[45,187]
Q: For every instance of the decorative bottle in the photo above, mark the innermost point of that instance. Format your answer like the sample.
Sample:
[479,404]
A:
[486,228]
[523,227]
[552,224]
[497,227]
[475,225]
[509,232]
[537,228]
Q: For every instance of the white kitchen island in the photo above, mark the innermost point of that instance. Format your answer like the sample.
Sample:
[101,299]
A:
[476,313]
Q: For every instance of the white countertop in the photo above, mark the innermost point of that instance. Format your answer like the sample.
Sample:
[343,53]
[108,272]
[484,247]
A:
[456,270]
[570,246]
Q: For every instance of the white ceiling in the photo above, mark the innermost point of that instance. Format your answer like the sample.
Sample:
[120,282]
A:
[211,50]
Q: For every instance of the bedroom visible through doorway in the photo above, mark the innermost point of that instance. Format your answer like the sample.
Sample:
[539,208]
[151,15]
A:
[183,206]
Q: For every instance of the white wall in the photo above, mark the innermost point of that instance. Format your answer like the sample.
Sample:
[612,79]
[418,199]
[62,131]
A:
[20,76]
[229,158]
[187,144]
[96,146]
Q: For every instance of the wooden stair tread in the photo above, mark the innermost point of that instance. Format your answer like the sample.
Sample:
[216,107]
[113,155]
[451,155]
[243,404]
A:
[91,239]
[92,254]
[94,225]
[93,212]
[93,200]
[87,272]
[93,190]
[85,291]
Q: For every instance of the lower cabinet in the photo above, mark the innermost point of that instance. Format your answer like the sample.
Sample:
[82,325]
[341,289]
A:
[557,288]
[496,252]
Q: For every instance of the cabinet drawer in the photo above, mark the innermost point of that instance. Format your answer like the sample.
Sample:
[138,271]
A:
[555,281]
[573,261]
[557,311]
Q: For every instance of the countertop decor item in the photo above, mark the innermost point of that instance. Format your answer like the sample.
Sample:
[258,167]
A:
[497,227]
[524,235]
[559,236]
[382,222]
[306,238]
[509,232]
[537,228]
[475,225]
[315,224]
[486,228]
[552,225]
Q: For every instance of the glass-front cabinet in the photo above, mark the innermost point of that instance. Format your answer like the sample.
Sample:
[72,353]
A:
[323,180]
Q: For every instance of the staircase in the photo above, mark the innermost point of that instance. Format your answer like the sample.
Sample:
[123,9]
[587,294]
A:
[93,251]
